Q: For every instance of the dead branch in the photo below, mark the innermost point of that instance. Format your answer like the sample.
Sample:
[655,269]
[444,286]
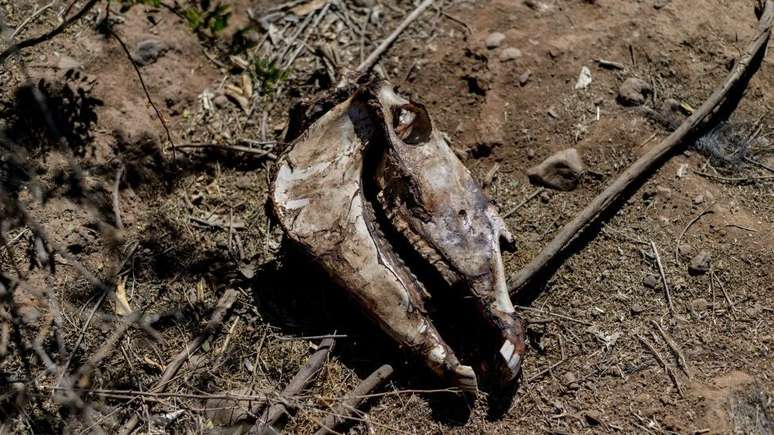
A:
[216,319]
[52,33]
[725,96]
[294,387]
[353,400]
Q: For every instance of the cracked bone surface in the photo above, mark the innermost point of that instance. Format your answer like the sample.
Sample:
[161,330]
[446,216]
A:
[371,178]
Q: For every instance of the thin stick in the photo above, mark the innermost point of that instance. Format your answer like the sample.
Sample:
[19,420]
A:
[523,203]
[738,180]
[674,347]
[294,387]
[663,277]
[744,68]
[216,319]
[723,289]
[352,401]
[372,58]
[46,36]
[142,83]
[30,18]
[707,210]
[116,198]
[545,371]
[663,363]
[238,148]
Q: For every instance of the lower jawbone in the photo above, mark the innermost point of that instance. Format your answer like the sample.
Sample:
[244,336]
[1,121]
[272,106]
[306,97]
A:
[372,178]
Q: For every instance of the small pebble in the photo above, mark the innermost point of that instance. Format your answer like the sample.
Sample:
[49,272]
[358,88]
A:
[593,418]
[634,91]
[524,77]
[638,309]
[510,53]
[700,264]
[148,51]
[494,40]
[650,281]
[698,199]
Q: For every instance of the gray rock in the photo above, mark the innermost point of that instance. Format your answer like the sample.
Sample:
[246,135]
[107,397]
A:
[650,281]
[148,51]
[510,53]
[494,40]
[561,171]
[634,91]
[700,264]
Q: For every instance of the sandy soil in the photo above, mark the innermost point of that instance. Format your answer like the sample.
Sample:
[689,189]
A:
[587,370]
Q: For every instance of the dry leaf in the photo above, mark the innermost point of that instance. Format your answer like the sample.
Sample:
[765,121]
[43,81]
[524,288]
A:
[308,8]
[122,303]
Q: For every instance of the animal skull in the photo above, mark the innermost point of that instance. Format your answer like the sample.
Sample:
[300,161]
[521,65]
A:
[373,176]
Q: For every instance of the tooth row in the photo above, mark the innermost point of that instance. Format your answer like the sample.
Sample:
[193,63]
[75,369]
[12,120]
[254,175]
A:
[395,215]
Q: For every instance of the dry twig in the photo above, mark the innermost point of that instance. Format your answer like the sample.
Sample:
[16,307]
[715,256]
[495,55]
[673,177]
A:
[663,277]
[674,347]
[663,363]
[372,58]
[294,387]
[353,400]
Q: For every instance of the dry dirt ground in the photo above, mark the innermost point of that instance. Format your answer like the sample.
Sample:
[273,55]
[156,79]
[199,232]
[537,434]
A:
[193,222]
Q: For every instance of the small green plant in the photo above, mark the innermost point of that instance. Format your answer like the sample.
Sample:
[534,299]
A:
[208,17]
[269,74]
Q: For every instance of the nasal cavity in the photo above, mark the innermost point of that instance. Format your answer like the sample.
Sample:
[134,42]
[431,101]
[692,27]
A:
[412,124]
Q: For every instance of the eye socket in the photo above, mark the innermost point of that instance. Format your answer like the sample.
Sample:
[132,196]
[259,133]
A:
[412,124]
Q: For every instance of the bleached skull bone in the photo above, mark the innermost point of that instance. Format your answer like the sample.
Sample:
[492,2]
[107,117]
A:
[372,170]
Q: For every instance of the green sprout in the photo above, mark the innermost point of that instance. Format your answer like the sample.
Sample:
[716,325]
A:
[208,17]
[269,74]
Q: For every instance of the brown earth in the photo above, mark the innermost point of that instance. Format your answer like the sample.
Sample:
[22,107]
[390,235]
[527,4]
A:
[587,370]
